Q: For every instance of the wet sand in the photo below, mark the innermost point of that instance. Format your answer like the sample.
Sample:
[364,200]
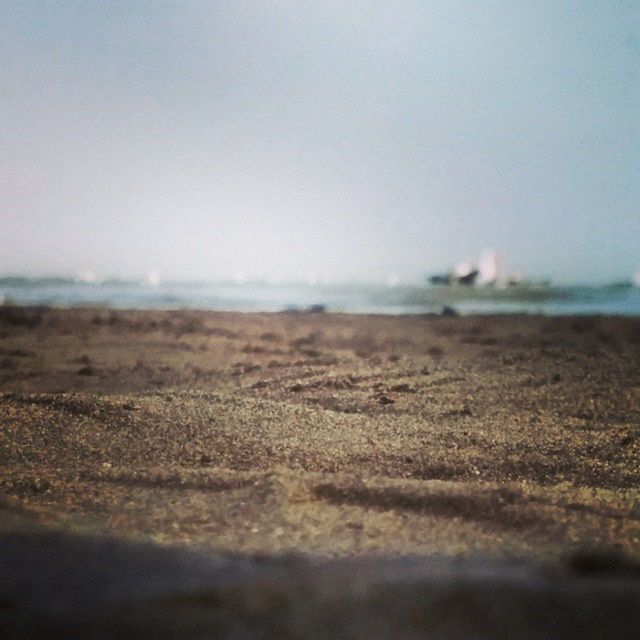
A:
[326,436]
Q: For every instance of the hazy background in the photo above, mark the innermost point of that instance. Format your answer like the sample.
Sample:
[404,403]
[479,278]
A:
[333,140]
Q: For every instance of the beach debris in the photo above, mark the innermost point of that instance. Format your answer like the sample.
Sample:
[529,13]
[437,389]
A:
[449,311]
[316,308]
[85,371]
[403,387]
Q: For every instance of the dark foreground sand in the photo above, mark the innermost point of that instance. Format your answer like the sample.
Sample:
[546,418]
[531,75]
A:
[513,441]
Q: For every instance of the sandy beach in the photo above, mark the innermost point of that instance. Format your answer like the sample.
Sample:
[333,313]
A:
[324,436]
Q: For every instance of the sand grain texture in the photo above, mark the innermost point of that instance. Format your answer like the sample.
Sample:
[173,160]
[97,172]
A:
[327,435]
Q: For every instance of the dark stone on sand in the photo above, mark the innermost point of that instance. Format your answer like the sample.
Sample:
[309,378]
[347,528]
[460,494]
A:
[449,312]
[85,371]
[314,308]
[310,353]
[402,388]
[626,440]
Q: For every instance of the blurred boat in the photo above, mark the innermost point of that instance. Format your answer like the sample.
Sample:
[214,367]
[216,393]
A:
[488,272]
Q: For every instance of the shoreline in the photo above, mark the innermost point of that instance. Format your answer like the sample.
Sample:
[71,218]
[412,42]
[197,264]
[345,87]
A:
[622,299]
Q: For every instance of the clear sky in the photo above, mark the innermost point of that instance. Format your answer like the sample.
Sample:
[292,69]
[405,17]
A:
[328,139]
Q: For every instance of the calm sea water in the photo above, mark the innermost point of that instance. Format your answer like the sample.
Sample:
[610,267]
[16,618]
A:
[549,300]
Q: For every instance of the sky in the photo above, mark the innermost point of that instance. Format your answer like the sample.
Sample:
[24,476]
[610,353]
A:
[330,140]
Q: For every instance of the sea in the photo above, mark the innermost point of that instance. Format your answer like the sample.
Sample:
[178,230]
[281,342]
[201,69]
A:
[620,299]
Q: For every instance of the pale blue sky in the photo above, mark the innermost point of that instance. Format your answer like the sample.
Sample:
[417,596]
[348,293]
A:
[337,140]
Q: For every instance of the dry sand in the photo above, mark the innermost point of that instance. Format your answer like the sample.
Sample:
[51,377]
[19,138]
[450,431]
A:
[324,435]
